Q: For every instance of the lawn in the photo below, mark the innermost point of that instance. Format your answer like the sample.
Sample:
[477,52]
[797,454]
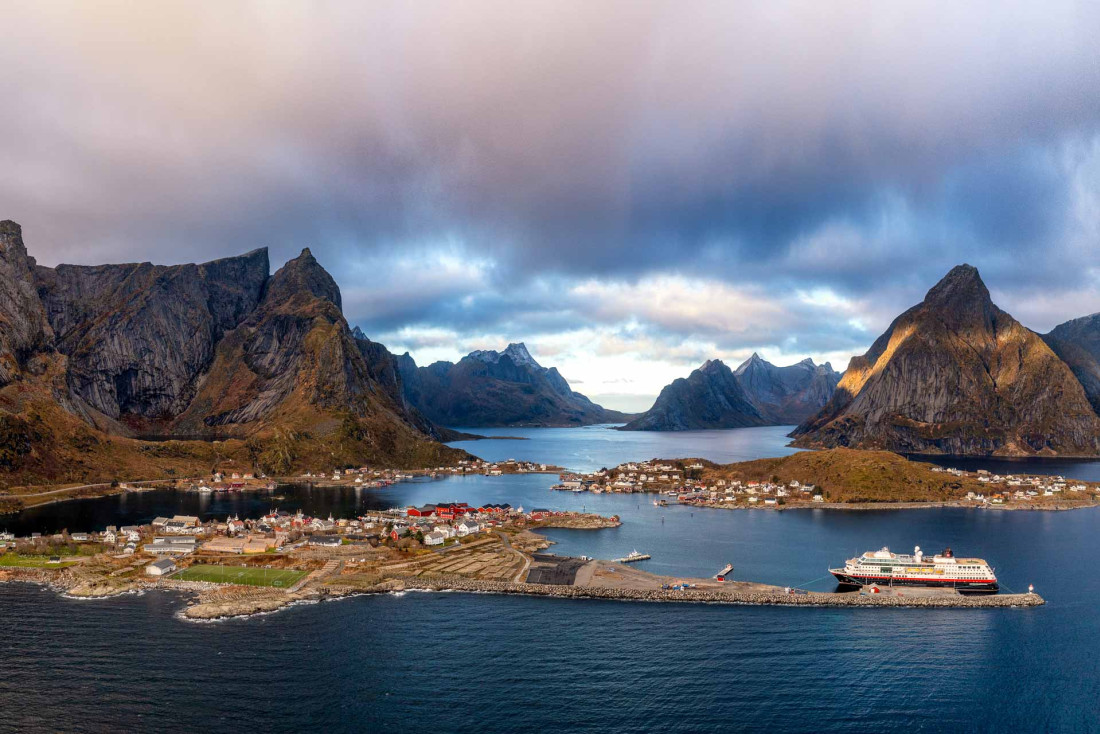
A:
[244,575]
[13,560]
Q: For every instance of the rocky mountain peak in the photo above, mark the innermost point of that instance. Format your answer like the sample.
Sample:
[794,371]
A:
[303,274]
[712,366]
[961,286]
[962,302]
[957,375]
[12,248]
[519,354]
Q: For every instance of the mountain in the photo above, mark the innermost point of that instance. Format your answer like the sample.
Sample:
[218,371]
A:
[786,395]
[94,358]
[1077,342]
[710,397]
[957,375]
[489,388]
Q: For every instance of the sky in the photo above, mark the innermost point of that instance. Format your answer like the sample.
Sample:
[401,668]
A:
[630,188]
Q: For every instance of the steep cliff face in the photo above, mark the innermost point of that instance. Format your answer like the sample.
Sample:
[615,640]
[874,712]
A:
[787,395]
[24,328]
[217,350]
[955,374]
[1077,342]
[710,397]
[139,337]
[507,388]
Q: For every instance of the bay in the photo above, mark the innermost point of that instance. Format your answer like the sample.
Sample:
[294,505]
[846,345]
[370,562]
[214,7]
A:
[455,662]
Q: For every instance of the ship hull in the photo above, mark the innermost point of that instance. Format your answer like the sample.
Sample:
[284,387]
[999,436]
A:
[856,581]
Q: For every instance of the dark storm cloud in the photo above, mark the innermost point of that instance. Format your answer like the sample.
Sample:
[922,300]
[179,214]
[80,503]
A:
[864,148]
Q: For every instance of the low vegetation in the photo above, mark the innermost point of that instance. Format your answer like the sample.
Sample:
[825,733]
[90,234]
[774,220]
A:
[853,476]
[243,575]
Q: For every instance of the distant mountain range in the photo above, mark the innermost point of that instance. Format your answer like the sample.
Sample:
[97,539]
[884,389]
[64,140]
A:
[758,393]
[1077,342]
[140,370]
[489,388]
[957,375]
[93,357]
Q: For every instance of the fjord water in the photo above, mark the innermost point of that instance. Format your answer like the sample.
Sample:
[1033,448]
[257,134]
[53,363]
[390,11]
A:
[456,662]
[589,448]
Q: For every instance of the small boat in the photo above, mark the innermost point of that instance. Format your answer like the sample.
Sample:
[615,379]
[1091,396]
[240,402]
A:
[634,555]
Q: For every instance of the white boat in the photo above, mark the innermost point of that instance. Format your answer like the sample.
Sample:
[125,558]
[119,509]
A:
[632,556]
[884,568]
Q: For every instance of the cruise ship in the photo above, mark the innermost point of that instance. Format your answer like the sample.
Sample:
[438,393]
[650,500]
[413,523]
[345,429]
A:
[884,568]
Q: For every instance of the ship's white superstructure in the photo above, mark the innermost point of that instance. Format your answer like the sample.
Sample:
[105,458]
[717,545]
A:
[884,568]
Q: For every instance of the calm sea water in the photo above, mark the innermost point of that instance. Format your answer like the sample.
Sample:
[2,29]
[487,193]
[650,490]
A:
[595,447]
[453,662]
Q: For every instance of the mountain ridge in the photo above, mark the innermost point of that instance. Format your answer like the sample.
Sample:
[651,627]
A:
[955,374]
[490,388]
[709,398]
[91,357]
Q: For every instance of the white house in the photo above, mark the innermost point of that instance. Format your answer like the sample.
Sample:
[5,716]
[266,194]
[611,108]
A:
[467,527]
[434,538]
[161,568]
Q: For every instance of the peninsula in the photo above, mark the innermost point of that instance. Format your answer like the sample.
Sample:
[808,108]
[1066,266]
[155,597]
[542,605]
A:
[243,567]
[834,479]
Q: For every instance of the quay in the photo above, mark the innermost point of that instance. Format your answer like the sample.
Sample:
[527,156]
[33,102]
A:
[773,596]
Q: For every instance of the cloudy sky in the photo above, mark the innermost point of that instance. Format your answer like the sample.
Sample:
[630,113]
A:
[628,187]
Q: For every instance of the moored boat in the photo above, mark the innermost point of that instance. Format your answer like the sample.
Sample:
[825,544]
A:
[632,556]
[944,570]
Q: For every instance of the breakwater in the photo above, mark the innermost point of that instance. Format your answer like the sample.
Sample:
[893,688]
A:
[754,597]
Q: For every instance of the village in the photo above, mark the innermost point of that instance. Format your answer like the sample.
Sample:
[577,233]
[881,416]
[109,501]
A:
[227,481]
[258,564]
[235,567]
[691,482]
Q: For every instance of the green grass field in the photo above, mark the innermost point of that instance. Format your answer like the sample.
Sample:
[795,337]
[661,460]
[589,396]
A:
[278,577]
[12,560]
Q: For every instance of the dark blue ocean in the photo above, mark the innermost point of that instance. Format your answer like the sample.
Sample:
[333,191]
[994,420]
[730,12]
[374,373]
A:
[455,662]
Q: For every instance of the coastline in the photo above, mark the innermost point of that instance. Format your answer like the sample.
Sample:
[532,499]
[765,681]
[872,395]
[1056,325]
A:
[870,506]
[267,603]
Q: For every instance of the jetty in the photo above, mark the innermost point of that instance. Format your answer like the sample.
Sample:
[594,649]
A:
[633,556]
[728,595]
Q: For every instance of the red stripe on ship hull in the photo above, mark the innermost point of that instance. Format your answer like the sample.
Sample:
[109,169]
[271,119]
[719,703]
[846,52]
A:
[924,578]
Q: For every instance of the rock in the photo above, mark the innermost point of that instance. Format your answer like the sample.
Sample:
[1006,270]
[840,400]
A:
[1077,342]
[787,395]
[140,337]
[710,397]
[199,350]
[489,388]
[24,328]
[957,375]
